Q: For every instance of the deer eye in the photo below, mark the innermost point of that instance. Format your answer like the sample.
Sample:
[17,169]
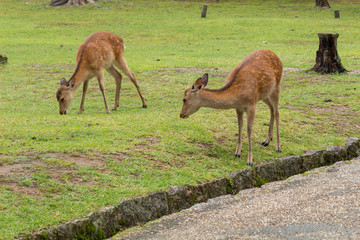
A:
[62,99]
[184,100]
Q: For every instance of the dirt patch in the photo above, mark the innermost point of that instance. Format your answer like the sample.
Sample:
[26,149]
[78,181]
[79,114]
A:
[203,145]
[221,140]
[23,174]
[79,159]
[33,191]
[150,139]
[331,109]
[163,165]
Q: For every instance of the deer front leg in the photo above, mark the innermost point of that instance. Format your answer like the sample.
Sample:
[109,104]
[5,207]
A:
[85,87]
[100,77]
[240,115]
[250,122]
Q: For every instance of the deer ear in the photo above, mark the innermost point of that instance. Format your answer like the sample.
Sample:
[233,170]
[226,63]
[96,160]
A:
[62,81]
[197,85]
[204,79]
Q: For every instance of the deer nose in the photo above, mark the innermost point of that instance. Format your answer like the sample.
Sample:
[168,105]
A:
[63,113]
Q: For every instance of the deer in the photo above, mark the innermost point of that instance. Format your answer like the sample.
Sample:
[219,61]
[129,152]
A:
[256,78]
[100,51]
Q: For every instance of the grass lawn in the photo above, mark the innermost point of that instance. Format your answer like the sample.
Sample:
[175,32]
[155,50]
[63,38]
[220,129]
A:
[57,168]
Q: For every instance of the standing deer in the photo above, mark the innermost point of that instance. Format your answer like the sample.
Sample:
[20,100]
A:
[100,51]
[256,78]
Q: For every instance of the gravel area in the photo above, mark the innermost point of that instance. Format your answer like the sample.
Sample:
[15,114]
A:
[320,204]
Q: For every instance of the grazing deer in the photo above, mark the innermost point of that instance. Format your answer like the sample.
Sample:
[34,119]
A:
[100,51]
[256,78]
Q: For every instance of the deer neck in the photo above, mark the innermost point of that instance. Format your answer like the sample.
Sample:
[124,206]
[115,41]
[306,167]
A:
[79,76]
[220,99]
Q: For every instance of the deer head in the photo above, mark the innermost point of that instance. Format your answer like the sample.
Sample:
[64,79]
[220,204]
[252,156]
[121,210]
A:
[64,95]
[192,99]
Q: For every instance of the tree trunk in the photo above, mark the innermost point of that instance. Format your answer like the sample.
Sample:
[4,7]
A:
[327,58]
[56,3]
[322,3]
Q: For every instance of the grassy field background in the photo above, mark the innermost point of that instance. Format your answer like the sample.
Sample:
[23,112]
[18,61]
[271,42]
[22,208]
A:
[57,168]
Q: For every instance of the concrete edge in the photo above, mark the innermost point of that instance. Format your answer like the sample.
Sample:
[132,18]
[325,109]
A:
[129,213]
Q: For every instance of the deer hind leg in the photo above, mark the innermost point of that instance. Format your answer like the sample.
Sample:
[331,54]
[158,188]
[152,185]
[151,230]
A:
[271,125]
[275,100]
[100,77]
[118,77]
[122,65]
[240,115]
[85,87]
[250,121]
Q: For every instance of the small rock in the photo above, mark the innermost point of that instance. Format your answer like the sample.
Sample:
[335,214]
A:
[328,100]
[264,42]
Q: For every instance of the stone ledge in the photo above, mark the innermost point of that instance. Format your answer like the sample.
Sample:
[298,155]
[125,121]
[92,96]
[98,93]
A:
[128,213]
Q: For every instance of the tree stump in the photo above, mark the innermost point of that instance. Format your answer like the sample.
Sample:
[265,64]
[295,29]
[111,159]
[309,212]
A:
[327,58]
[203,11]
[56,3]
[3,59]
[322,3]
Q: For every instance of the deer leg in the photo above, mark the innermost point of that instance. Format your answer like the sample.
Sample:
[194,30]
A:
[271,125]
[118,77]
[250,121]
[240,115]
[100,77]
[122,65]
[278,145]
[275,100]
[85,87]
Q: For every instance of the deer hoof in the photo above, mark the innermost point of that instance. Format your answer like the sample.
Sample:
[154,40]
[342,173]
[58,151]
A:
[265,144]
[250,164]
[279,151]
[237,155]
[144,106]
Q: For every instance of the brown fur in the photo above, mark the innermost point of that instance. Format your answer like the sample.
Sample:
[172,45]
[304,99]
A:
[100,51]
[256,78]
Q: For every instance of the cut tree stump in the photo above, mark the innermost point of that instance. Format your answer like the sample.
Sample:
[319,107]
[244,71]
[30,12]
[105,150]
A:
[322,3]
[203,11]
[57,3]
[327,57]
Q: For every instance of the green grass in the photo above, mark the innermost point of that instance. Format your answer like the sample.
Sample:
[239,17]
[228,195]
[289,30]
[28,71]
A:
[57,168]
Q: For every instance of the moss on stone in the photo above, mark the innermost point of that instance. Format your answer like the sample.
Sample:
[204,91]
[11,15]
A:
[43,236]
[90,232]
